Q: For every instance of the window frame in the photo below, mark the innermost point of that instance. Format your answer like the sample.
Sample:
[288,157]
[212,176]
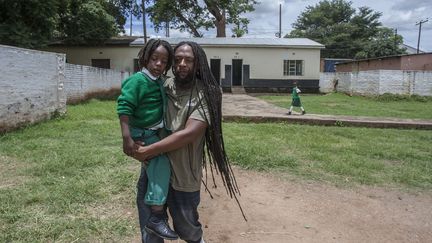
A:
[293,67]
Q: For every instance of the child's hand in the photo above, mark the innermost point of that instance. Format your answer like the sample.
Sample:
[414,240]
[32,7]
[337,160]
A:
[129,146]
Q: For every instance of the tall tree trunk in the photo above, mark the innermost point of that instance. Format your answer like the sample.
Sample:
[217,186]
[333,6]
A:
[220,27]
[219,15]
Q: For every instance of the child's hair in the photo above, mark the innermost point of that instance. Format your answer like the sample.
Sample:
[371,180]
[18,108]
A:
[145,53]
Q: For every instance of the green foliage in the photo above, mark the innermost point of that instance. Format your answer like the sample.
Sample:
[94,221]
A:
[384,43]
[191,16]
[27,23]
[86,22]
[34,24]
[345,31]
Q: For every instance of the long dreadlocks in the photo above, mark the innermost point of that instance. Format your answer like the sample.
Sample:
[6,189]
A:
[214,153]
[145,53]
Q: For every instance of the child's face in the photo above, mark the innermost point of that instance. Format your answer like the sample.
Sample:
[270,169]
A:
[158,61]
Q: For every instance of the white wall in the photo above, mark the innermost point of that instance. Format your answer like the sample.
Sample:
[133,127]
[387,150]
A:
[121,58]
[326,82]
[84,81]
[267,63]
[31,86]
[378,82]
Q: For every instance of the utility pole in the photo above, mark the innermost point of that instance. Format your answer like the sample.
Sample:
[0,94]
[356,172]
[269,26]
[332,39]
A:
[279,34]
[280,20]
[420,24]
[144,21]
[395,41]
[130,26]
[167,28]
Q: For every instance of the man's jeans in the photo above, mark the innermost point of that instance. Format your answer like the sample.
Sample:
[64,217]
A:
[183,208]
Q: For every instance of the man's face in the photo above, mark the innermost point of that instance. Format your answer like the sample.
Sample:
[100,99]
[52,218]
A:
[184,63]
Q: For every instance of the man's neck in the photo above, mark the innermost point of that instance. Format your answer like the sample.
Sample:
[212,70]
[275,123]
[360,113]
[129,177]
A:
[184,86]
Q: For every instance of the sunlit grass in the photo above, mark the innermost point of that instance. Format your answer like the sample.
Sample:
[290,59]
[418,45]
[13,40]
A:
[341,104]
[67,179]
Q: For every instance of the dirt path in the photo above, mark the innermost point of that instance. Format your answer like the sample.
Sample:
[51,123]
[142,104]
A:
[285,211]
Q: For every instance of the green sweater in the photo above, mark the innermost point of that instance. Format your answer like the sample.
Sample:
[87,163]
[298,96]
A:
[294,93]
[141,99]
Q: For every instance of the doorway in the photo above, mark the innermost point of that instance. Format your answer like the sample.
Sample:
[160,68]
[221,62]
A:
[237,65]
[215,66]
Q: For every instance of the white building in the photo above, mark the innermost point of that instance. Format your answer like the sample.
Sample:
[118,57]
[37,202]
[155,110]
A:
[256,64]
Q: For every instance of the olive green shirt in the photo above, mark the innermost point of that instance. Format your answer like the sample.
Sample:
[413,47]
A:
[186,162]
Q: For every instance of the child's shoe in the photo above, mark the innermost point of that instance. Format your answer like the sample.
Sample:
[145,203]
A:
[303,112]
[159,226]
[289,113]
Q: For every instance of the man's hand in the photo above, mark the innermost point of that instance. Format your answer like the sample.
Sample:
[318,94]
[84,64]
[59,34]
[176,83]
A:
[142,153]
[129,146]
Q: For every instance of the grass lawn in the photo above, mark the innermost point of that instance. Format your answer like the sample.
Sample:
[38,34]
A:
[341,104]
[67,179]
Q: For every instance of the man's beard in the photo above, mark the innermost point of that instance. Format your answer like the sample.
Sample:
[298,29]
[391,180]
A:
[184,81]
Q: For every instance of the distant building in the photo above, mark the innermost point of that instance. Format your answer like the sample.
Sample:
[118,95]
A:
[255,64]
[328,65]
[422,62]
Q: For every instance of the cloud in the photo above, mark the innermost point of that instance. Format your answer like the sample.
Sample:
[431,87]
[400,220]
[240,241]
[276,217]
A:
[264,21]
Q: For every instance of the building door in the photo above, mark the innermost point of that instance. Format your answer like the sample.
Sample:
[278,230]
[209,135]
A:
[215,66]
[237,65]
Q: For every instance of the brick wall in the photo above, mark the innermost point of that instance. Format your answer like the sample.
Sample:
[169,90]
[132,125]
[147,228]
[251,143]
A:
[35,85]
[31,86]
[84,82]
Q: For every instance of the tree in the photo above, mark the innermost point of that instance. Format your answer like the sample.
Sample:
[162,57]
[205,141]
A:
[385,43]
[191,16]
[85,22]
[34,24]
[344,30]
[27,23]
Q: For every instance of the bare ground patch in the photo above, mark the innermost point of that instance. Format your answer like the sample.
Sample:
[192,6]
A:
[280,210]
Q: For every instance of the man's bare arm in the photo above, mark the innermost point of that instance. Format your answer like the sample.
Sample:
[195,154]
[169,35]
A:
[192,131]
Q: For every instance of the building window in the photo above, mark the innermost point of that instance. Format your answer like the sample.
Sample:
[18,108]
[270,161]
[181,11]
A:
[293,68]
[101,63]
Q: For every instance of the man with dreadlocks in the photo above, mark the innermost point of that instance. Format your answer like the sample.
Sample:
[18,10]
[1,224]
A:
[194,115]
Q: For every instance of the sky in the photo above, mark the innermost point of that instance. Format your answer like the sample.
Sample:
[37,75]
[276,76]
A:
[264,21]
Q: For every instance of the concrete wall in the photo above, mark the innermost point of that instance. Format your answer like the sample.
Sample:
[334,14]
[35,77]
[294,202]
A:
[31,86]
[83,82]
[267,63]
[326,82]
[379,82]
